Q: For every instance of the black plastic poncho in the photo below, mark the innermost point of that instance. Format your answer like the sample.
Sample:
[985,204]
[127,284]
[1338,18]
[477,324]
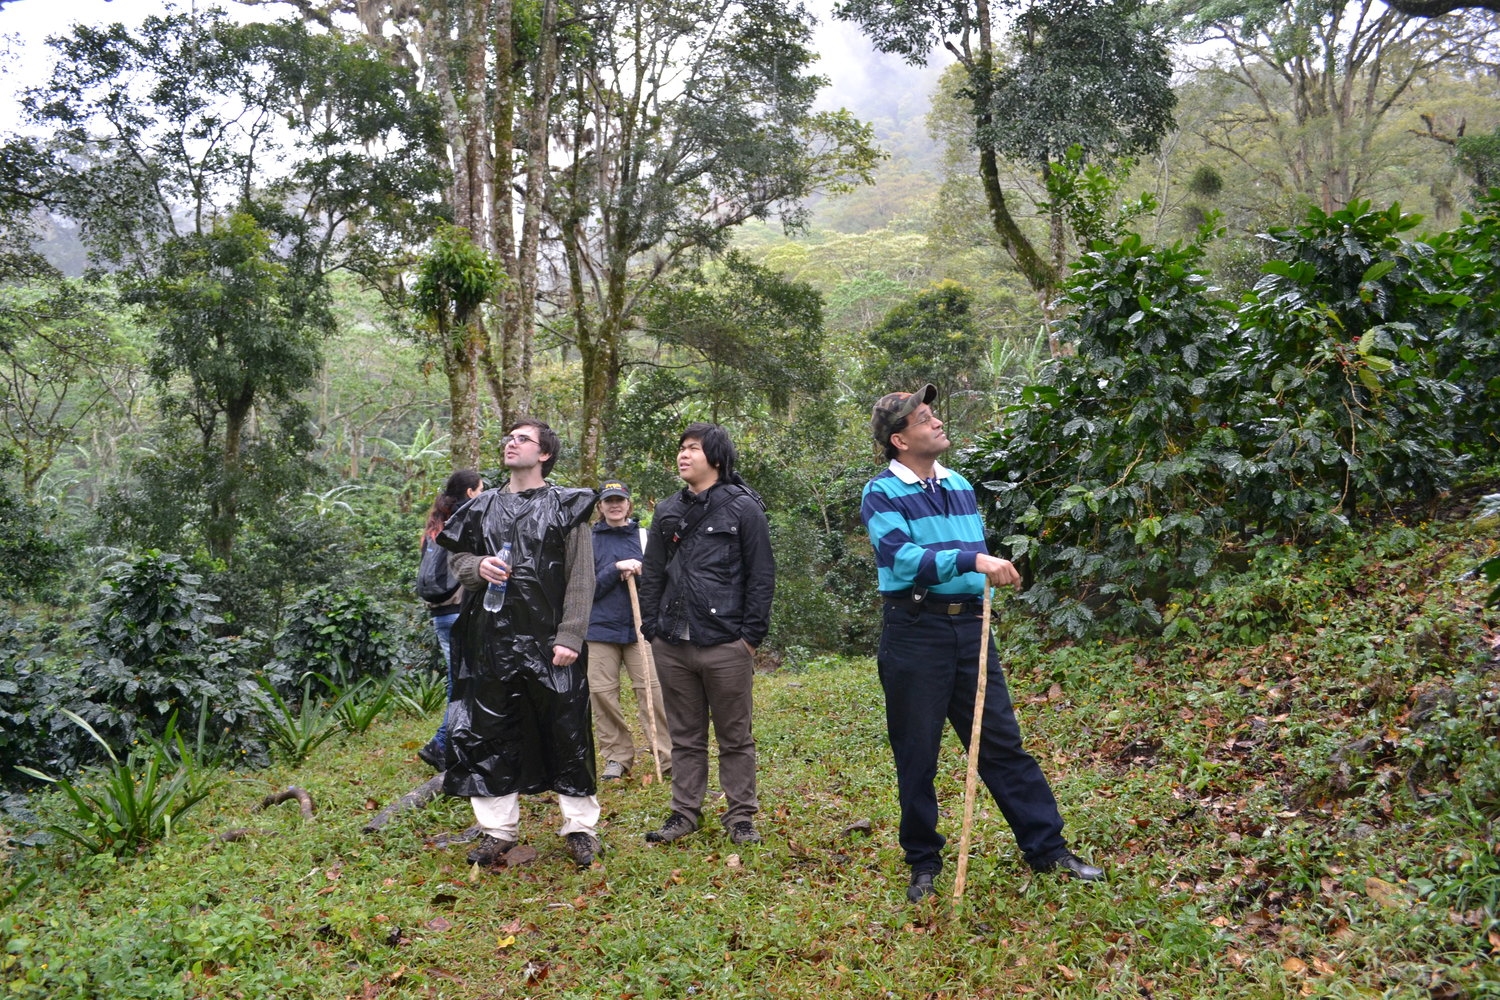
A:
[516,722]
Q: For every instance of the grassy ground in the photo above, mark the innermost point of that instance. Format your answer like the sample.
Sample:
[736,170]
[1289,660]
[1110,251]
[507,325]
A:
[1296,795]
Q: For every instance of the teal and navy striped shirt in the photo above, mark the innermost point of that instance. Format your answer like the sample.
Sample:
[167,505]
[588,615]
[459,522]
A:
[926,533]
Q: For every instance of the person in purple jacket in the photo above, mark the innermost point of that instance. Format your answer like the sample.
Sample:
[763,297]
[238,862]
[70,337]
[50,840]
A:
[612,639]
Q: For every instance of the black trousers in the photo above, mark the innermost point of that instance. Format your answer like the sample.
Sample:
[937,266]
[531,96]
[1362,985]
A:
[929,669]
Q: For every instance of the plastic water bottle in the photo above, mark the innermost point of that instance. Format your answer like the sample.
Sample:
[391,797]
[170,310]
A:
[494,594]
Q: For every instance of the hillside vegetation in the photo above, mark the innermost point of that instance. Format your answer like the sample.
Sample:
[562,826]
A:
[1301,800]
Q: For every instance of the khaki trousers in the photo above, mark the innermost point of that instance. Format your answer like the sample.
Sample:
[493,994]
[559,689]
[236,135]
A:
[615,740]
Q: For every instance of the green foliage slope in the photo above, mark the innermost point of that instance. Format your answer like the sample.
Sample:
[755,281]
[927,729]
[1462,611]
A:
[1302,802]
[1358,373]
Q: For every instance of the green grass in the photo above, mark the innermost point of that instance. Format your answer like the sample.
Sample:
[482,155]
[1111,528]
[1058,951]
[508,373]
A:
[1309,811]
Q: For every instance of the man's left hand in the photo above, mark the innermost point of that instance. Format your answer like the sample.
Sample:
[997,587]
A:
[1001,572]
[562,656]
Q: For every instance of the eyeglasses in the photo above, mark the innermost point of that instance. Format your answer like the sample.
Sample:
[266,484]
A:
[518,439]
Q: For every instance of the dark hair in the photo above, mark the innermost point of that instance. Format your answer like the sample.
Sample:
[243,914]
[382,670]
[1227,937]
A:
[546,439]
[717,448]
[891,451]
[455,492]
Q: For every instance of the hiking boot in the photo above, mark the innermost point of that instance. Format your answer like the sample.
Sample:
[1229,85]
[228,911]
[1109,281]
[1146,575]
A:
[744,832]
[920,886]
[677,825]
[434,755]
[490,850]
[584,847]
[614,770]
[1075,866]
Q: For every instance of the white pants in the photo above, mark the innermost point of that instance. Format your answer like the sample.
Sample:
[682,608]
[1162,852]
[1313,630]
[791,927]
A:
[500,816]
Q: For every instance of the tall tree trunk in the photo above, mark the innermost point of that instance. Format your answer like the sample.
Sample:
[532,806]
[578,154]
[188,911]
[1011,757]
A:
[478,160]
[502,209]
[598,360]
[223,521]
[1038,273]
[520,327]
[462,348]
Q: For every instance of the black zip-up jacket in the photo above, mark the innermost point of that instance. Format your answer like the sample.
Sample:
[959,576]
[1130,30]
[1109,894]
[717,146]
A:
[718,582]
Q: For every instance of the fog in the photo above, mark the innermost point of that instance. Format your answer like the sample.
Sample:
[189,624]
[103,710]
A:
[868,83]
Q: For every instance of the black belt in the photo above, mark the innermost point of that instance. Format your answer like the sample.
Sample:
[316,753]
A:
[940,604]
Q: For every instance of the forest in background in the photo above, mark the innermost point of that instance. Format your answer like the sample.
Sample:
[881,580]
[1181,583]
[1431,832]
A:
[266,284]
[1210,290]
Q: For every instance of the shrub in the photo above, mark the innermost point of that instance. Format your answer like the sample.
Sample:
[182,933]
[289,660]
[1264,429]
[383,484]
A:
[341,634]
[1463,287]
[420,693]
[1342,407]
[1339,387]
[32,684]
[34,563]
[1111,475]
[153,654]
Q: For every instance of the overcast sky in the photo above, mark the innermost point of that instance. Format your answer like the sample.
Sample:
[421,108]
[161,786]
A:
[854,69]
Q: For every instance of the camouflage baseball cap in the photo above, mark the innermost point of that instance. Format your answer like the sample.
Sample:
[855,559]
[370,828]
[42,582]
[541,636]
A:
[891,410]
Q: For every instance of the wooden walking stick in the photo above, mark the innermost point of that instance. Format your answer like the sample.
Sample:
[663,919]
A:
[971,780]
[649,662]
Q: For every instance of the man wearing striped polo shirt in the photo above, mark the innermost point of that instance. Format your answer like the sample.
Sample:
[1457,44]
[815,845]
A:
[930,553]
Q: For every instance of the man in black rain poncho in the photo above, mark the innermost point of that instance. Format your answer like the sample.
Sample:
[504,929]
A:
[519,720]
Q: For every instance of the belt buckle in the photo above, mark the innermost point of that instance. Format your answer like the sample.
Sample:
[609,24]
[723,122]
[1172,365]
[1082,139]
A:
[954,609]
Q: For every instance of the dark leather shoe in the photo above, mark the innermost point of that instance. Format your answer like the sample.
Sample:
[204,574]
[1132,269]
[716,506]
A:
[744,832]
[1075,866]
[433,755]
[490,850]
[584,847]
[920,886]
[676,826]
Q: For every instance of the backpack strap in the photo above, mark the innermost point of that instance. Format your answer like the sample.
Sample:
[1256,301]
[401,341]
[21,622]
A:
[689,523]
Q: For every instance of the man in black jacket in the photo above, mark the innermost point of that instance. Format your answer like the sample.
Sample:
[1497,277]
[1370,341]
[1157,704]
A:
[705,605]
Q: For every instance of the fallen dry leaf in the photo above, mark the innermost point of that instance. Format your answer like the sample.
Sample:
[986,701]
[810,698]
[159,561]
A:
[1070,975]
[1294,965]
[439,924]
[733,861]
[1386,894]
[525,854]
